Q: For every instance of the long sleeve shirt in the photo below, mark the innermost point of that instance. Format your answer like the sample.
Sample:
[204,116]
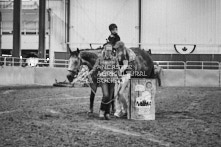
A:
[132,57]
[113,38]
[107,68]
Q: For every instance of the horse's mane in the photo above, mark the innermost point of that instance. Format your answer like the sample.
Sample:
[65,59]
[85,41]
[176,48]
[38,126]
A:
[89,49]
[146,56]
[141,52]
[138,52]
[88,56]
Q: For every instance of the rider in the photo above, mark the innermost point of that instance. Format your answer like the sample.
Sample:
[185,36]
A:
[107,66]
[127,65]
[114,37]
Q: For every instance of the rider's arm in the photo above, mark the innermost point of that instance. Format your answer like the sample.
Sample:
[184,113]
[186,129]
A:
[111,39]
[96,66]
[124,67]
[117,68]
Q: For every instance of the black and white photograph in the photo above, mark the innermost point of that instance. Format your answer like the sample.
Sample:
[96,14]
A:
[110,73]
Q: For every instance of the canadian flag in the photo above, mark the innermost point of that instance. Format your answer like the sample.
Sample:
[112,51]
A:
[184,48]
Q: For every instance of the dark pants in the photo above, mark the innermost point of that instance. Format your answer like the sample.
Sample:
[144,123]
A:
[108,91]
[158,78]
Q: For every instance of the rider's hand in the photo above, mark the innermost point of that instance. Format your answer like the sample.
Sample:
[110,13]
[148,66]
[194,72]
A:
[119,81]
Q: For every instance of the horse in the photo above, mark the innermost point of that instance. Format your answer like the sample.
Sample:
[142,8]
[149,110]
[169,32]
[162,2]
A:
[143,63]
[78,58]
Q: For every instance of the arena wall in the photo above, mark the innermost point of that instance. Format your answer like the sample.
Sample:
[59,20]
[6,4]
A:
[202,78]
[47,76]
[190,78]
[29,76]
[173,78]
[16,76]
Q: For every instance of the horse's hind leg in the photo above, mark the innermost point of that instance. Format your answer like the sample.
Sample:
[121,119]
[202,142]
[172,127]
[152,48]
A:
[92,100]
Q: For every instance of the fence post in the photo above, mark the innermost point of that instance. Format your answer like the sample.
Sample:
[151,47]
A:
[20,62]
[185,68]
[5,61]
[202,65]
[13,61]
[219,74]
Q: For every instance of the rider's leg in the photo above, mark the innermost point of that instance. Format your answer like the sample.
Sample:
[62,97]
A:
[111,93]
[118,105]
[122,97]
[123,93]
[105,99]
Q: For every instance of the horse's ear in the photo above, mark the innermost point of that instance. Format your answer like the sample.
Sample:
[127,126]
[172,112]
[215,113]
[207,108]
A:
[69,49]
[149,51]
[78,51]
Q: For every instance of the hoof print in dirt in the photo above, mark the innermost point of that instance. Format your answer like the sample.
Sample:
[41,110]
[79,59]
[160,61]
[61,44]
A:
[89,112]
[10,119]
[91,115]
[78,85]
[49,113]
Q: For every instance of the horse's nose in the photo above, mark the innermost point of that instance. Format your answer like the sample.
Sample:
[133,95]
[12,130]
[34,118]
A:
[70,70]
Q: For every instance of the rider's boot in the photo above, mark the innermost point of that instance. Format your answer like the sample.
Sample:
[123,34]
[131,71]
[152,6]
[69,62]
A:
[101,114]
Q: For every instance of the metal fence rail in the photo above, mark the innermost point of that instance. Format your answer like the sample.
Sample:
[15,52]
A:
[23,62]
[171,64]
[202,65]
[60,63]
[210,65]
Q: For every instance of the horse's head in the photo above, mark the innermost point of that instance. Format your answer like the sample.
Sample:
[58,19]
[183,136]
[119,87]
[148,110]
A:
[74,62]
[77,59]
[120,51]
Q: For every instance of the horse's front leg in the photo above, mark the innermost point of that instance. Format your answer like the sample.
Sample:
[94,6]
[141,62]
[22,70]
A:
[113,104]
[93,92]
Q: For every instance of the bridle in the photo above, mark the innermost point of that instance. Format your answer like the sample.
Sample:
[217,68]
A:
[83,62]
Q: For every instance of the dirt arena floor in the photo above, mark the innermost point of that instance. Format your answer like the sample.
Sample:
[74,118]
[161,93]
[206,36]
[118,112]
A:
[53,116]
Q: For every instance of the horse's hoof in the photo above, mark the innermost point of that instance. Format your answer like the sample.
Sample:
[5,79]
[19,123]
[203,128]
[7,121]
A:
[90,111]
